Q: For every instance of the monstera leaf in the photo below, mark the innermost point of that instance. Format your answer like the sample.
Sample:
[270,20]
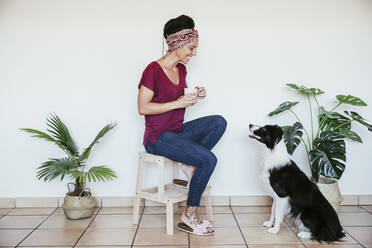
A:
[347,133]
[330,120]
[283,107]
[306,91]
[292,135]
[352,100]
[329,114]
[359,119]
[328,156]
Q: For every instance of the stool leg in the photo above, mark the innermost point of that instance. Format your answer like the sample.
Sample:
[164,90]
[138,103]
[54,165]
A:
[208,205]
[175,176]
[169,217]
[160,163]
[175,170]
[175,207]
[137,199]
[136,208]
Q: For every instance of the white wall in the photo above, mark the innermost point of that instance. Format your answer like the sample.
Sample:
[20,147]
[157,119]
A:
[83,60]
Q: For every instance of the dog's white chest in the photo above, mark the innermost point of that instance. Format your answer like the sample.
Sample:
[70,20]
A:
[266,180]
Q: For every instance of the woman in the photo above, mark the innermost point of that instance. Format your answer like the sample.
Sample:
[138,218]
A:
[161,99]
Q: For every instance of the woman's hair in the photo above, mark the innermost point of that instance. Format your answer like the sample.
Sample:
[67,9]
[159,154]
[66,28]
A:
[178,24]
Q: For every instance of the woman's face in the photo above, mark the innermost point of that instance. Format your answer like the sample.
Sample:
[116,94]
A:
[186,52]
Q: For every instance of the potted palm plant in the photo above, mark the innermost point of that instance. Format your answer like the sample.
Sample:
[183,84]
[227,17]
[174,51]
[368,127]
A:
[78,203]
[324,144]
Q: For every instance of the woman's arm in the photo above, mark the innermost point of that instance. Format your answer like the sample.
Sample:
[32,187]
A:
[146,107]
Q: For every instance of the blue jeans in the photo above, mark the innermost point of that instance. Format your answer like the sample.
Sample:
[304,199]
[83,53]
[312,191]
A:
[193,146]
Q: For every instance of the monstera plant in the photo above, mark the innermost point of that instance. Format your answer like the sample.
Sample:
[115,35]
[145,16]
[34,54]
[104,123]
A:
[325,142]
[78,203]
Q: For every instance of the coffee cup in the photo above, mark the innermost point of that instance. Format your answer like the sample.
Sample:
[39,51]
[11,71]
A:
[191,90]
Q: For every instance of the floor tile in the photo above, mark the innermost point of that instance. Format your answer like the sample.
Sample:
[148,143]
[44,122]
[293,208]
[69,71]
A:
[117,210]
[157,220]
[334,246]
[113,221]
[3,211]
[103,246]
[362,234]
[355,219]
[257,220]
[57,237]
[346,240]
[217,246]
[171,246]
[353,209]
[61,222]
[160,210]
[33,202]
[20,222]
[100,237]
[221,220]
[216,210]
[60,211]
[31,211]
[367,207]
[251,209]
[222,236]
[259,235]
[46,246]
[12,237]
[158,236]
[276,246]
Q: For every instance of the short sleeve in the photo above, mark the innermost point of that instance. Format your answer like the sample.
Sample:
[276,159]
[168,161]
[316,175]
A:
[148,78]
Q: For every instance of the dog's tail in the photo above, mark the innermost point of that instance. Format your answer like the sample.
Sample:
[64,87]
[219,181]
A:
[323,228]
[329,234]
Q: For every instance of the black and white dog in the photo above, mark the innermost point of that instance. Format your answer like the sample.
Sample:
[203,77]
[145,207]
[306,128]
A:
[294,195]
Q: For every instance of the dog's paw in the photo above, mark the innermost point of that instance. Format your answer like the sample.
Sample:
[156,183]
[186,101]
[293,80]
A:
[268,224]
[273,230]
[304,235]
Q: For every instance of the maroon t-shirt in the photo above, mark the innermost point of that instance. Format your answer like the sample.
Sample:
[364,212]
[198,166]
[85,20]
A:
[155,79]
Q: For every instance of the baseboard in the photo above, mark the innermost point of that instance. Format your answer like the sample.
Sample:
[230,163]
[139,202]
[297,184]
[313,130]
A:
[126,201]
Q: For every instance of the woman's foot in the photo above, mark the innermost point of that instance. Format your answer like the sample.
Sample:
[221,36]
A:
[192,224]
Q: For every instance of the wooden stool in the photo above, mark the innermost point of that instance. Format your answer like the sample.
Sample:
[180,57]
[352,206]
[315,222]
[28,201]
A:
[168,194]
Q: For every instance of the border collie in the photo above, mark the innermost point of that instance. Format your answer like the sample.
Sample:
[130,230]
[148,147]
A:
[294,195]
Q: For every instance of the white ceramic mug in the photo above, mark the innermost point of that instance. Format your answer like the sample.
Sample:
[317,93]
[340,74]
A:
[190,90]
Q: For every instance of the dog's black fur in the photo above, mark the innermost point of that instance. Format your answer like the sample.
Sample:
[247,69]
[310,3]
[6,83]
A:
[305,199]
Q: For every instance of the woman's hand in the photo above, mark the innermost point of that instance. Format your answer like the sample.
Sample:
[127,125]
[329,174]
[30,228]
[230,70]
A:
[201,91]
[187,100]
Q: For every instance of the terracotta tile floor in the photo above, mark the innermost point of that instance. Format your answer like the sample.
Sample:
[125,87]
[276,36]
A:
[236,227]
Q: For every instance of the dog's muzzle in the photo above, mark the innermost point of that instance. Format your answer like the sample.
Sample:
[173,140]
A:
[253,128]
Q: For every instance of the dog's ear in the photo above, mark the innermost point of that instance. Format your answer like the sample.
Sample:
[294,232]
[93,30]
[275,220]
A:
[279,132]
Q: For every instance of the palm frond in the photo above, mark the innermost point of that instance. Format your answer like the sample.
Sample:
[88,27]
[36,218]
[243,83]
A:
[101,133]
[76,174]
[54,167]
[99,173]
[42,135]
[61,134]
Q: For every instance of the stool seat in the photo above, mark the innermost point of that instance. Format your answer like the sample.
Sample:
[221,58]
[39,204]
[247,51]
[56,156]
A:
[169,194]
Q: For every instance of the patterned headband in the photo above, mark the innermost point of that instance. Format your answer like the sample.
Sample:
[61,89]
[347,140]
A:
[181,38]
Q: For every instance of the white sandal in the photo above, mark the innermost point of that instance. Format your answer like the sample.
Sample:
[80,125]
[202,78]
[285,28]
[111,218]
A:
[200,230]
[191,226]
